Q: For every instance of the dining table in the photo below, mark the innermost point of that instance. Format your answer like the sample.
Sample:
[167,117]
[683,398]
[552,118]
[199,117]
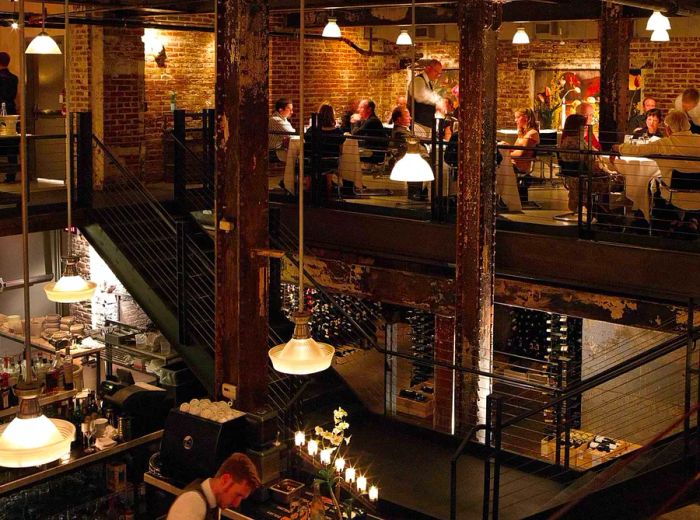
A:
[349,166]
[638,172]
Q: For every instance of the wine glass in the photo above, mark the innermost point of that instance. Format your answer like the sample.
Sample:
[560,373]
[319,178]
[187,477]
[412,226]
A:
[89,434]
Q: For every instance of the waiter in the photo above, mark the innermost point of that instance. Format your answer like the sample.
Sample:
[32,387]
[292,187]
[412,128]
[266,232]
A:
[8,85]
[202,500]
[425,100]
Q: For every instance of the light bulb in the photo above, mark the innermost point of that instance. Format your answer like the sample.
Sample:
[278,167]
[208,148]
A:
[299,439]
[339,464]
[362,483]
[326,456]
[373,493]
[350,475]
[312,447]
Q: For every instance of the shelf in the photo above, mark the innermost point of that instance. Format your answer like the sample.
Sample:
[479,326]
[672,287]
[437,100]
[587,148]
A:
[142,352]
[44,346]
[28,476]
[43,400]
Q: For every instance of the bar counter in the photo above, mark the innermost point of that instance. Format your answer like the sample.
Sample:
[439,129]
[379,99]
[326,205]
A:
[14,479]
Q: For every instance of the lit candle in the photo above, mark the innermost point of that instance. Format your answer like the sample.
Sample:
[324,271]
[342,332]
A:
[339,464]
[313,447]
[361,484]
[299,439]
[326,456]
[350,475]
[373,493]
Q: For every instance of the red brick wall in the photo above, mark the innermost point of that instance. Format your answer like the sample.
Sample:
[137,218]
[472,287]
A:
[189,71]
[80,68]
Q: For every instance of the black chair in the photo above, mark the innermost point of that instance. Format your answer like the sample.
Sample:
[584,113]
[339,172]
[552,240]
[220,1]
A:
[570,172]
[663,210]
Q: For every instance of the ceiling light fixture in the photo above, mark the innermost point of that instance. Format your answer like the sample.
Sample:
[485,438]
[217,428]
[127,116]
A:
[412,167]
[331,30]
[660,35]
[520,37]
[43,43]
[71,287]
[657,21]
[404,38]
[30,439]
[301,355]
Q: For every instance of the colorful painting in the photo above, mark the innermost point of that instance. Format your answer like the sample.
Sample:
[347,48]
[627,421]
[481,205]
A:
[447,85]
[559,92]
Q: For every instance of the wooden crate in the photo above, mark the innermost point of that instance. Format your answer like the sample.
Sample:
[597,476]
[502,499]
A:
[422,409]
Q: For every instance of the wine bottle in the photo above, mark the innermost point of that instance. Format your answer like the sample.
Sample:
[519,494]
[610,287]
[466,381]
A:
[68,369]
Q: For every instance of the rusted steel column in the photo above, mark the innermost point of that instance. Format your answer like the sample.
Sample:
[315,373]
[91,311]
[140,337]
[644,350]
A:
[445,378]
[475,203]
[241,197]
[615,37]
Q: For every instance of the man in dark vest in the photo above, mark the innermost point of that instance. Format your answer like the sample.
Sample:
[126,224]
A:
[425,100]
[8,85]
[201,500]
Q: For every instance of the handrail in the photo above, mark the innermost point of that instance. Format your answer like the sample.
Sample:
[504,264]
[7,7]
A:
[155,205]
[186,148]
[663,348]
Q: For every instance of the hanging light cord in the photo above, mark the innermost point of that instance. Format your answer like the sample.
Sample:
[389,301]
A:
[302,305]
[413,66]
[66,91]
[25,193]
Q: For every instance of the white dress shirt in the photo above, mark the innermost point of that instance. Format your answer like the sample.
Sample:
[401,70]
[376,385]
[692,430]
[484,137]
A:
[693,113]
[191,506]
[278,123]
[424,92]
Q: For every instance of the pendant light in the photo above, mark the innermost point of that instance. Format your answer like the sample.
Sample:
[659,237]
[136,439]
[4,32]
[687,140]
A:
[520,37]
[657,21]
[331,30]
[660,35]
[43,43]
[412,167]
[71,287]
[31,439]
[301,355]
[404,38]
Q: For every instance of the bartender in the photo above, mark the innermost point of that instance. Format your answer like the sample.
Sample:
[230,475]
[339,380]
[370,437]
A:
[235,480]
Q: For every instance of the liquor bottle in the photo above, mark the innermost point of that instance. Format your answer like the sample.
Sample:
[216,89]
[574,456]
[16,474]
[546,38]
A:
[68,369]
[77,419]
[173,101]
[317,511]
[3,109]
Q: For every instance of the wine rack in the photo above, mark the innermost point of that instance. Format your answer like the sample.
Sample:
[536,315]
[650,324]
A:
[422,344]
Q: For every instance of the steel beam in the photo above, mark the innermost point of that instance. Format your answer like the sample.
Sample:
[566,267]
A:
[241,211]
[615,39]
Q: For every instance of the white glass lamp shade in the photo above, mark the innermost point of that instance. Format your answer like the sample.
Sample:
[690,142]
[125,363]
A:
[657,21]
[412,167]
[43,44]
[331,30]
[660,35]
[404,38]
[301,355]
[71,287]
[31,442]
[520,37]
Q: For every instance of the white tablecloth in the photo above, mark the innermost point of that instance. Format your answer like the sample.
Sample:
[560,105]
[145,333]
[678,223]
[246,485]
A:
[349,167]
[638,173]
[507,183]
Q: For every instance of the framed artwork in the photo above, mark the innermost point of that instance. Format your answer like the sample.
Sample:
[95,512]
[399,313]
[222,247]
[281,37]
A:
[559,91]
[446,85]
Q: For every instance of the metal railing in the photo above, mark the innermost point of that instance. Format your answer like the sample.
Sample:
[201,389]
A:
[618,410]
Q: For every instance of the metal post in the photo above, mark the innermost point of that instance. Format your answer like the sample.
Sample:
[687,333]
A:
[316,184]
[688,378]
[567,434]
[589,191]
[497,455]
[179,171]
[439,201]
[181,252]
[487,458]
[84,161]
